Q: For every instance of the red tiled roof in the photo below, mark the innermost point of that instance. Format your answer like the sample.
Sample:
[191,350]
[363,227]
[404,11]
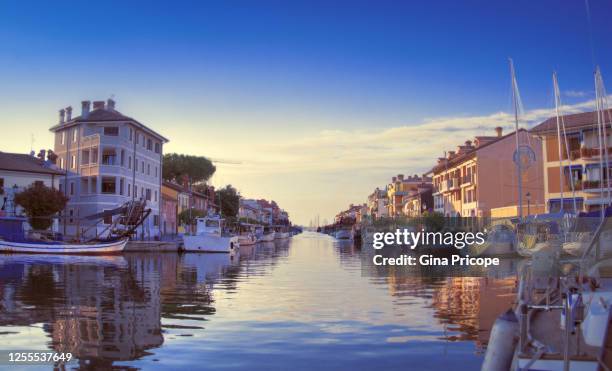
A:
[467,155]
[25,163]
[573,121]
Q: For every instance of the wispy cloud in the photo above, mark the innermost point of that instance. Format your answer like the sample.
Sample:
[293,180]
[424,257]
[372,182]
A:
[576,93]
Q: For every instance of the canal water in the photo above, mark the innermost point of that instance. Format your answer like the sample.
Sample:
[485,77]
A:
[300,304]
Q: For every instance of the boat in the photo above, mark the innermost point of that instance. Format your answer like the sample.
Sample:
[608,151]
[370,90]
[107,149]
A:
[210,237]
[344,234]
[247,235]
[268,236]
[131,215]
[500,242]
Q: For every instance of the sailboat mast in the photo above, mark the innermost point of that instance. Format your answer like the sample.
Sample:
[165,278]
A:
[603,152]
[555,88]
[561,129]
[600,92]
[515,101]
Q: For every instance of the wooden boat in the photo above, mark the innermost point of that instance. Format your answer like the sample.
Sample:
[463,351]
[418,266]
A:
[131,215]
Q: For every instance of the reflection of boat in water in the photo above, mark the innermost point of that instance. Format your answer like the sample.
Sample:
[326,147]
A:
[73,260]
[131,215]
[209,266]
[209,237]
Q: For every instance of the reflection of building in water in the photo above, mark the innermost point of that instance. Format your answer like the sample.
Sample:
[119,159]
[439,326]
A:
[109,314]
[472,304]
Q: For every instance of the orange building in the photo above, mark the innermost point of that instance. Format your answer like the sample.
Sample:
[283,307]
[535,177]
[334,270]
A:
[580,167]
[481,176]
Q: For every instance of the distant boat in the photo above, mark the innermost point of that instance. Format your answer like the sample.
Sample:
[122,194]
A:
[209,237]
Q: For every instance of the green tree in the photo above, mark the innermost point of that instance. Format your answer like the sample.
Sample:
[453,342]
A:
[195,169]
[229,199]
[40,204]
[184,216]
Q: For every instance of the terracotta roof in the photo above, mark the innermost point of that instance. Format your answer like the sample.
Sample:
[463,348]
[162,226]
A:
[174,186]
[573,121]
[106,115]
[25,163]
[467,155]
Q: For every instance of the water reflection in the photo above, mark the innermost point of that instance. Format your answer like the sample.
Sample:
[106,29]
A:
[304,300]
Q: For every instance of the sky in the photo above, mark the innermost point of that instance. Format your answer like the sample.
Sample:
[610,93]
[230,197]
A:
[320,102]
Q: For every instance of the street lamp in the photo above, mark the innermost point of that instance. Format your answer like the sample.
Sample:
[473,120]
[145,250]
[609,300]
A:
[528,195]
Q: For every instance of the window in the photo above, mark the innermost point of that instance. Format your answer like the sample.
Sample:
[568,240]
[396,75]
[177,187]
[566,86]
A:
[109,157]
[142,167]
[156,171]
[73,162]
[131,134]
[94,155]
[148,194]
[135,191]
[71,213]
[75,134]
[112,131]
[63,137]
[156,220]
[129,162]
[61,164]
[149,144]
[108,185]
[157,147]
[122,157]
[85,157]
[143,141]
[121,186]
[155,199]
[148,169]
[61,187]
[129,190]
[137,138]
[72,188]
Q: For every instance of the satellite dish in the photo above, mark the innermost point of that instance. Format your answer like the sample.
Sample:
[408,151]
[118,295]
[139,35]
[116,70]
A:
[524,157]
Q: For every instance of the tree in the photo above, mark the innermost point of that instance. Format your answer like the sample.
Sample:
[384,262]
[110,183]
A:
[186,218]
[229,199]
[40,203]
[196,169]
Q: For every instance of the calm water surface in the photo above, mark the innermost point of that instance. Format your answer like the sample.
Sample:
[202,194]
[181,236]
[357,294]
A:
[303,303]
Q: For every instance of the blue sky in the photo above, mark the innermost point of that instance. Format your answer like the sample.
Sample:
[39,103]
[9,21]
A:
[206,74]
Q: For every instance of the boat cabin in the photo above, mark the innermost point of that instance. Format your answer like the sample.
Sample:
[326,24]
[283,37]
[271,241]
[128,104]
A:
[209,225]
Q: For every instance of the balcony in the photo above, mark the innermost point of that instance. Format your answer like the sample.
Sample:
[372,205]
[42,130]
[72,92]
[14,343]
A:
[92,140]
[468,180]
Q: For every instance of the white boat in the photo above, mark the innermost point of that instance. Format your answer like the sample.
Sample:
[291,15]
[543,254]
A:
[267,237]
[209,237]
[247,239]
[344,234]
[56,247]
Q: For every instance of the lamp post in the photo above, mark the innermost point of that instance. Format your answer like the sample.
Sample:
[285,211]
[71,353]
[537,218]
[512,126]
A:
[528,195]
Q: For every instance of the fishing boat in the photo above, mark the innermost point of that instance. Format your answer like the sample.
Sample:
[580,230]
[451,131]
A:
[131,215]
[210,237]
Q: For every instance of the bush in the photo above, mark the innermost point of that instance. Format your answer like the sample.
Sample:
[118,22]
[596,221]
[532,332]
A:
[40,204]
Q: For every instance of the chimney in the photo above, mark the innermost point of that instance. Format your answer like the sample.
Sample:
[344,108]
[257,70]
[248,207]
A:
[110,104]
[499,131]
[98,104]
[61,116]
[85,108]
[68,113]
[400,177]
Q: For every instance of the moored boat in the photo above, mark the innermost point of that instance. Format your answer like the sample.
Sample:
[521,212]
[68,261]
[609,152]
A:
[209,237]
[344,234]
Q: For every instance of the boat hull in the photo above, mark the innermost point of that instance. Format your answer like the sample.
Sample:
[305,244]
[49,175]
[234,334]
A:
[267,237]
[247,240]
[114,247]
[203,243]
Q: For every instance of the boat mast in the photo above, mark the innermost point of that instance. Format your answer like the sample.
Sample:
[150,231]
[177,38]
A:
[601,98]
[515,101]
[560,128]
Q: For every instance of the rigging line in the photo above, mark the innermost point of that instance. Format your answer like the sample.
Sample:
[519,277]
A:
[604,108]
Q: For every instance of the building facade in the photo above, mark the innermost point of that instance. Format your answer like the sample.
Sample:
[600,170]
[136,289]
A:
[399,188]
[577,176]
[110,159]
[481,176]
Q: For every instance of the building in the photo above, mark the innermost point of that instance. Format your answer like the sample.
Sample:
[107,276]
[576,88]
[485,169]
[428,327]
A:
[377,204]
[170,208]
[110,159]
[418,201]
[19,171]
[580,167]
[481,176]
[401,187]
